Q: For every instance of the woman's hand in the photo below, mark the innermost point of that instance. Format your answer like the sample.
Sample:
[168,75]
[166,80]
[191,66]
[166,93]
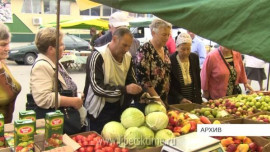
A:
[247,86]
[206,94]
[81,95]
[77,104]
[184,100]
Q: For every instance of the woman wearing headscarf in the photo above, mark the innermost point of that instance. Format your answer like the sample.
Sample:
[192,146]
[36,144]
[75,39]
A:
[9,87]
[185,85]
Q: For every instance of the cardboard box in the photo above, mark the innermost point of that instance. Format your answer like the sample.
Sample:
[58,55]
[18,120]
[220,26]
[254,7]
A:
[186,106]
[257,114]
[86,134]
[241,121]
[40,123]
[8,149]
[24,134]
[54,129]
[39,143]
[191,106]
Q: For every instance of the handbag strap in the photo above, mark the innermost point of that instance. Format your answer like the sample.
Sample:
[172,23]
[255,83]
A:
[59,83]
[225,61]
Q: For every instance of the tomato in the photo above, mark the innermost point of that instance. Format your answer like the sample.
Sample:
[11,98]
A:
[74,138]
[105,143]
[113,145]
[89,148]
[98,139]
[18,148]
[92,143]
[124,150]
[79,137]
[85,143]
[93,134]
[98,147]
[90,138]
[108,149]
[117,149]
[82,149]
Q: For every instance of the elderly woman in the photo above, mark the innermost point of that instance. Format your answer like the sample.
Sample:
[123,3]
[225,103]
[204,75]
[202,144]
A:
[222,72]
[9,87]
[42,84]
[185,86]
[153,62]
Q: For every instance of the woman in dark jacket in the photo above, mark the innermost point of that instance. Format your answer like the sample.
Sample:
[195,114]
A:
[185,85]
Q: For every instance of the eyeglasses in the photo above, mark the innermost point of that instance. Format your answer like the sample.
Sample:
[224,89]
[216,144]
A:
[10,82]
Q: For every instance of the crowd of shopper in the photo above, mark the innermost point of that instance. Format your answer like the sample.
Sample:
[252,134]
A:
[119,70]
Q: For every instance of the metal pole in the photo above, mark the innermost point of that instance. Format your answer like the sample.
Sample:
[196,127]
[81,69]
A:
[57,54]
[268,78]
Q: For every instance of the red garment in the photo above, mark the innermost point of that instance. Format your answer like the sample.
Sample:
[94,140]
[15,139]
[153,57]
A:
[215,74]
[171,45]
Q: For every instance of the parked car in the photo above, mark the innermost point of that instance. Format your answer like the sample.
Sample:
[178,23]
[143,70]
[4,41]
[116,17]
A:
[28,54]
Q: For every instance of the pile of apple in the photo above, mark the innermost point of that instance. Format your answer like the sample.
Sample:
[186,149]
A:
[239,144]
[183,123]
[242,105]
[94,143]
[262,118]
[210,112]
[235,106]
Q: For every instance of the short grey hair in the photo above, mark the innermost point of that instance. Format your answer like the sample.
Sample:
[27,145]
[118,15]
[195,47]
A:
[158,23]
[4,32]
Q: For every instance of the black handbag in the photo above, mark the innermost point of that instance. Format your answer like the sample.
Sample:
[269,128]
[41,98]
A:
[72,120]
[237,89]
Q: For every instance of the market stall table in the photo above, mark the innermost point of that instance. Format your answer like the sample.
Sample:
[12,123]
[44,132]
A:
[73,59]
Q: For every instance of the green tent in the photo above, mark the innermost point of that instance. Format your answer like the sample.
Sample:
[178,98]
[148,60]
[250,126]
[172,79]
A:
[140,22]
[238,24]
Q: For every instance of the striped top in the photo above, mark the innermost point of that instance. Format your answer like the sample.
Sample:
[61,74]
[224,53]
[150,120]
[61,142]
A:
[187,91]
[229,59]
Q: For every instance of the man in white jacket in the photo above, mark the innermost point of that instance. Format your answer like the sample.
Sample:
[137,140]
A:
[109,79]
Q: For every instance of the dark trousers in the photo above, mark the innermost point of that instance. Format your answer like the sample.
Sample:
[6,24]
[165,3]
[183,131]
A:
[110,112]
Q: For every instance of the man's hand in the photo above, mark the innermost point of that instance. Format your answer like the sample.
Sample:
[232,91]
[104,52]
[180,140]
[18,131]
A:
[133,89]
[184,100]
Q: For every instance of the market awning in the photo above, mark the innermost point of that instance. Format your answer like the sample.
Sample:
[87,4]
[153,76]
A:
[86,4]
[242,25]
[100,24]
[140,22]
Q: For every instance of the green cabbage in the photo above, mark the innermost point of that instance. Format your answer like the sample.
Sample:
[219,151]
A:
[154,107]
[157,120]
[162,136]
[134,138]
[113,131]
[132,117]
[148,135]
